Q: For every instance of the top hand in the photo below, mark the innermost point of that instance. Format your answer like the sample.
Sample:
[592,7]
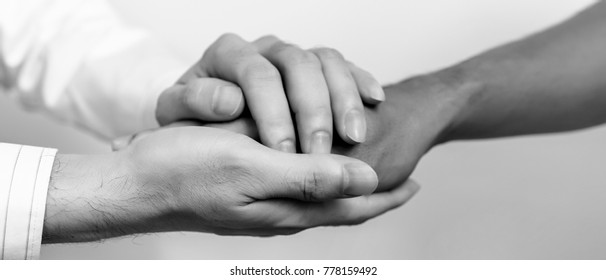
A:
[319,85]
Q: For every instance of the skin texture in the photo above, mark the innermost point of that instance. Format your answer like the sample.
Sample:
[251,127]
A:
[274,79]
[552,81]
[415,116]
[549,82]
[208,180]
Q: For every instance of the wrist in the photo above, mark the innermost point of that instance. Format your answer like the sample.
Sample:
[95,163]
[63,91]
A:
[478,82]
[444,100]
[454,101]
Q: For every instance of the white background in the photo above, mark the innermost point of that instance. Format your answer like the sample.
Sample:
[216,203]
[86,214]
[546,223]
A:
[523,198]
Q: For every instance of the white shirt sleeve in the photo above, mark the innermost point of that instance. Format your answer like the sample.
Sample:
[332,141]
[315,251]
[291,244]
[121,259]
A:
[76,60]
[24,177]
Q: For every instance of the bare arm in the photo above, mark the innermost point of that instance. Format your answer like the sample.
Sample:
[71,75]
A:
[552,81]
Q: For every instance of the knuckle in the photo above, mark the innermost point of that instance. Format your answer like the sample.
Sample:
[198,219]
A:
[190,97]
[276,130]
[307,186]
[277,124]
[318,115]
[226,37]
[268,37]
[295,56]
[221,44]
[314,186]
[259,71]
[319,111]
[229,45]
[329,54]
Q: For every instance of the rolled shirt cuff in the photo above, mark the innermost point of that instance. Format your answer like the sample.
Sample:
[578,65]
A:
[24,179]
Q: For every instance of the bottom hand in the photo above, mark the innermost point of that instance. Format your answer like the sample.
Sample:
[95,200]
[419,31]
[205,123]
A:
[209,180]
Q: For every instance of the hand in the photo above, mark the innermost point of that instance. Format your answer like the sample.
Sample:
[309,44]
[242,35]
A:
[416,115]
[320,85]
[208,180]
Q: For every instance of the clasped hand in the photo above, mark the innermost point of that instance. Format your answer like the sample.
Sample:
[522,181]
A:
[226,183]
[200,178]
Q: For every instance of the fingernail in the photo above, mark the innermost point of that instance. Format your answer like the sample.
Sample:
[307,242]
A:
[226,100]
[355,126]
[287,146]
[359,179]
[378,94]
[320,143]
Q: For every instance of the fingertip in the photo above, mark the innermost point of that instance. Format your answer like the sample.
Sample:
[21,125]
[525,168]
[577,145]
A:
[287,146]
[370,89]
[413,187]
[355,126]
[374,95]
[409,189]
[227,101]
[359,179]
[380,93]
[320,143]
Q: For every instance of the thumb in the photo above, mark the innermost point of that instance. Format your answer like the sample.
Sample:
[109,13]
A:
[317,177]
[203,99]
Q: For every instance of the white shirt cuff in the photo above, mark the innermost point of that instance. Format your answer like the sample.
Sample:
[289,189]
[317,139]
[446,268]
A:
[24,178]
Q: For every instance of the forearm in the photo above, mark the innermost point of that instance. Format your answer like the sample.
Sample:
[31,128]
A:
[549,82]
[552,81]
[92,198]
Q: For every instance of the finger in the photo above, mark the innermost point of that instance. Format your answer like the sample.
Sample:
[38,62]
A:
[347,106]
[369,88]
[360,209]
[290,214]
[206,99]
[266,231]
[234,59]
[306,90]
[313,177]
